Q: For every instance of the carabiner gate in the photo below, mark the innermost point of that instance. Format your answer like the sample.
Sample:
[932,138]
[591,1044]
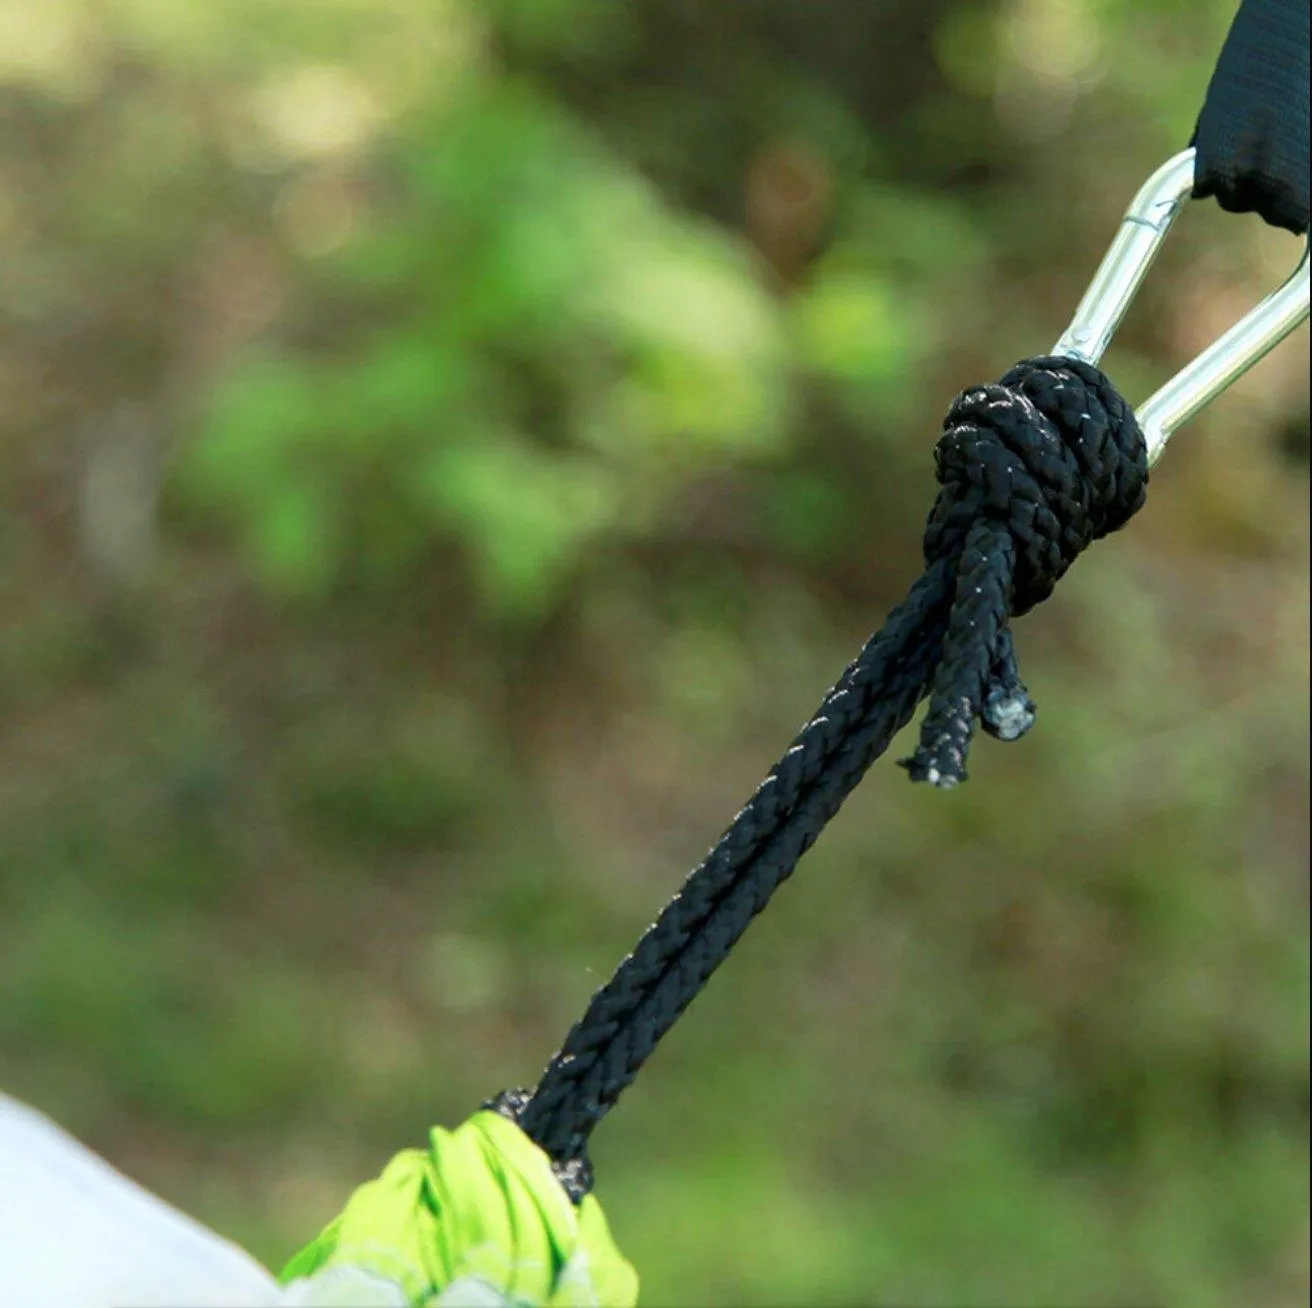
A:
[1123,269]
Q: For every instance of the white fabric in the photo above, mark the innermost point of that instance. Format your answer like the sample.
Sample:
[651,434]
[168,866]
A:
[75,1233]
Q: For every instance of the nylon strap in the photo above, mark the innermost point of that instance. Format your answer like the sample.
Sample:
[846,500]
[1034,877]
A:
[1252,133]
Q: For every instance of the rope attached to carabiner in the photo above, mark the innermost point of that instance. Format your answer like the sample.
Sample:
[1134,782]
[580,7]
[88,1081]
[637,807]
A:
[1032,470]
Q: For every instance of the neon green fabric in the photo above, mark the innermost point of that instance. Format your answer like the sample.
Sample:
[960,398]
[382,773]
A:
[480,1207]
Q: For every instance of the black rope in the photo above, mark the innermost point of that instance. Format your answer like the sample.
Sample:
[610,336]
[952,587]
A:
[1032,470]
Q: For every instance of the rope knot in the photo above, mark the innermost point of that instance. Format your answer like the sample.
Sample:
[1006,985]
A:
[1033,469]
[1052,454]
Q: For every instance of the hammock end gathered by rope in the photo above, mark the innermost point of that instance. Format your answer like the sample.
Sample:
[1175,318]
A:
[574,1172]
[475,1217]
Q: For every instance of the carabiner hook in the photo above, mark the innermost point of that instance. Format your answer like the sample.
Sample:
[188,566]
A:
[1123,269]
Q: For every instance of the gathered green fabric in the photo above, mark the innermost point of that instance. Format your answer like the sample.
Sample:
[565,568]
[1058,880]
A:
[477,1217]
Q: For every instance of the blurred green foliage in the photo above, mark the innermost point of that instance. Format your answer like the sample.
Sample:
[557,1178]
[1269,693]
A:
[448,446]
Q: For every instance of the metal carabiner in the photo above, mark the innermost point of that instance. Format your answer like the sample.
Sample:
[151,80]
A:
[1143,229]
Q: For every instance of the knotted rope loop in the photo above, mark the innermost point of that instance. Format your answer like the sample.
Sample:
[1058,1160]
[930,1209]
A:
[1032,469]
[1053,454]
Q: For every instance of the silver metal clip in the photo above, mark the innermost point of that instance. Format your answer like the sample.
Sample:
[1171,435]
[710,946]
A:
[1123,269]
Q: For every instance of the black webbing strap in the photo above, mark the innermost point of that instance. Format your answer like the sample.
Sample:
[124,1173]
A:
[1252,134]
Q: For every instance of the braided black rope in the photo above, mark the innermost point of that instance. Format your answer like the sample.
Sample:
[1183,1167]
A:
[1032,470]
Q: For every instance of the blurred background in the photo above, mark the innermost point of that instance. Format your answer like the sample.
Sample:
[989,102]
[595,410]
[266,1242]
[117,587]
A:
[446,449]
